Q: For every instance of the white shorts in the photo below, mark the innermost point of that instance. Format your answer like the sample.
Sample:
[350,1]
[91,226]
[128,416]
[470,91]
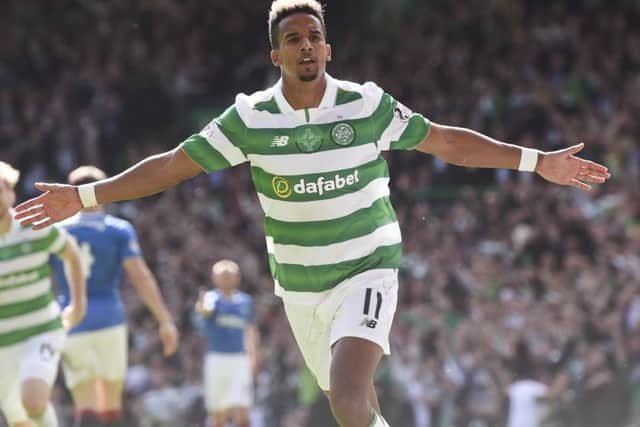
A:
[227,381]
[92,355]
[362,306]
[38,358]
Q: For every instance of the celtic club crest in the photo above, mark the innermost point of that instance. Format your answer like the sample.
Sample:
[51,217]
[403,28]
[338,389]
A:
[343,134]
[309,139]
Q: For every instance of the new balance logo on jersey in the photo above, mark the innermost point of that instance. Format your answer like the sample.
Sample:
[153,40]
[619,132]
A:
[280,141]
[369,323]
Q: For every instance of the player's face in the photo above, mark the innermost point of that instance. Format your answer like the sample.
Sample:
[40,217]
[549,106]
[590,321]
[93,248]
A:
[303,51]
[7,198]
[227,280]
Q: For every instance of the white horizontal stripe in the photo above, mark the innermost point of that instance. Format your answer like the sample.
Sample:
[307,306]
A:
[299,298]
[28,320]
[348,250]
[323,210]
[221,144]
[358,281]
[25,262]
[25,292]
[60,241]
[19,235]
[312,163]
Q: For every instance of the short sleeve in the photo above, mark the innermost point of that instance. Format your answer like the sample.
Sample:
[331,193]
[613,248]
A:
[404,129]
[218,145]
[57,240]
[250,311]
[130,244]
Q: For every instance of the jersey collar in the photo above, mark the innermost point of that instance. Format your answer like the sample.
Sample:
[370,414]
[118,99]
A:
[328,99]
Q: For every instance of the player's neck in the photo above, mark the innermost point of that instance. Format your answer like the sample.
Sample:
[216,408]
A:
[301,94]
[5,222]
[228,294]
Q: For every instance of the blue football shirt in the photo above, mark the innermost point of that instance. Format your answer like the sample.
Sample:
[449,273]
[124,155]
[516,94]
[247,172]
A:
[225,328]
[105,242]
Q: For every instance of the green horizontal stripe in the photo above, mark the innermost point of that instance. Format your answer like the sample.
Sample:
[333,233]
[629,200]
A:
[232,126]
[29,247]
[201,152]
[260,140]
[28,306]
[11,338]
[415,132]
[24,277]
[299,278]
[321,233]
[290,187]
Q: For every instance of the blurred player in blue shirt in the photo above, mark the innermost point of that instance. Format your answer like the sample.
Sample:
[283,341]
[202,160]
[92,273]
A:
[95,354]
[226,318]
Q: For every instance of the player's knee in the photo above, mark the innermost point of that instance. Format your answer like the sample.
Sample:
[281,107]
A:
[348,406]
[35,397]
[35,407]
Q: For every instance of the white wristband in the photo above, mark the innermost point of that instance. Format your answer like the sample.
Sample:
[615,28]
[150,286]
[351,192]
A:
[87,193]
[528,159]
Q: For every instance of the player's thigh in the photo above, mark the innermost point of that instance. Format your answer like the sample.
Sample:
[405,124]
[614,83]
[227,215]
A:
[85,395]
[39,366]
[241,387]
[240,414]
[367,311]
[10,401]
[93,355]
[218,375]
[219,417]
[111,346]
[35,394]
[311,333]
[112,393]
[352,368]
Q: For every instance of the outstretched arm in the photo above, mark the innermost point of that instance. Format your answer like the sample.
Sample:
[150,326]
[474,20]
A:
[152,175]
[464,147]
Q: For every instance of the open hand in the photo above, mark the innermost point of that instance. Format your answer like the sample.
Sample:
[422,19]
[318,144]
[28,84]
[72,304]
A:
[169,337]
[72,315]
[562,167]
[58,201]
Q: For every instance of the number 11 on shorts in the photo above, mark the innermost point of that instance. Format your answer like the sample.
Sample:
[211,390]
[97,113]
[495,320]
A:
[368,321]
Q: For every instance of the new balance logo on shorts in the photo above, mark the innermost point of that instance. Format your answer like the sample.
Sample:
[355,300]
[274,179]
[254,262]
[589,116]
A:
[46,351]
[367,321]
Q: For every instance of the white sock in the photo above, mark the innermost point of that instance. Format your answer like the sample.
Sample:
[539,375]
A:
[48,419]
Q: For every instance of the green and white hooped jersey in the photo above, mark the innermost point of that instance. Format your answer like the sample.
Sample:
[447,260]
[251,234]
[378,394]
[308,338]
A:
[320,177]
[27,305]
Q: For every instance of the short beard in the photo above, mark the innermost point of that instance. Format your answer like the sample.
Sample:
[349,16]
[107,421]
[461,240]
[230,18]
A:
[308,78]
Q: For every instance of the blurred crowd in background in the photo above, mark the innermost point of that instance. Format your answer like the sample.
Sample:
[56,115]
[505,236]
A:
[506,280]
